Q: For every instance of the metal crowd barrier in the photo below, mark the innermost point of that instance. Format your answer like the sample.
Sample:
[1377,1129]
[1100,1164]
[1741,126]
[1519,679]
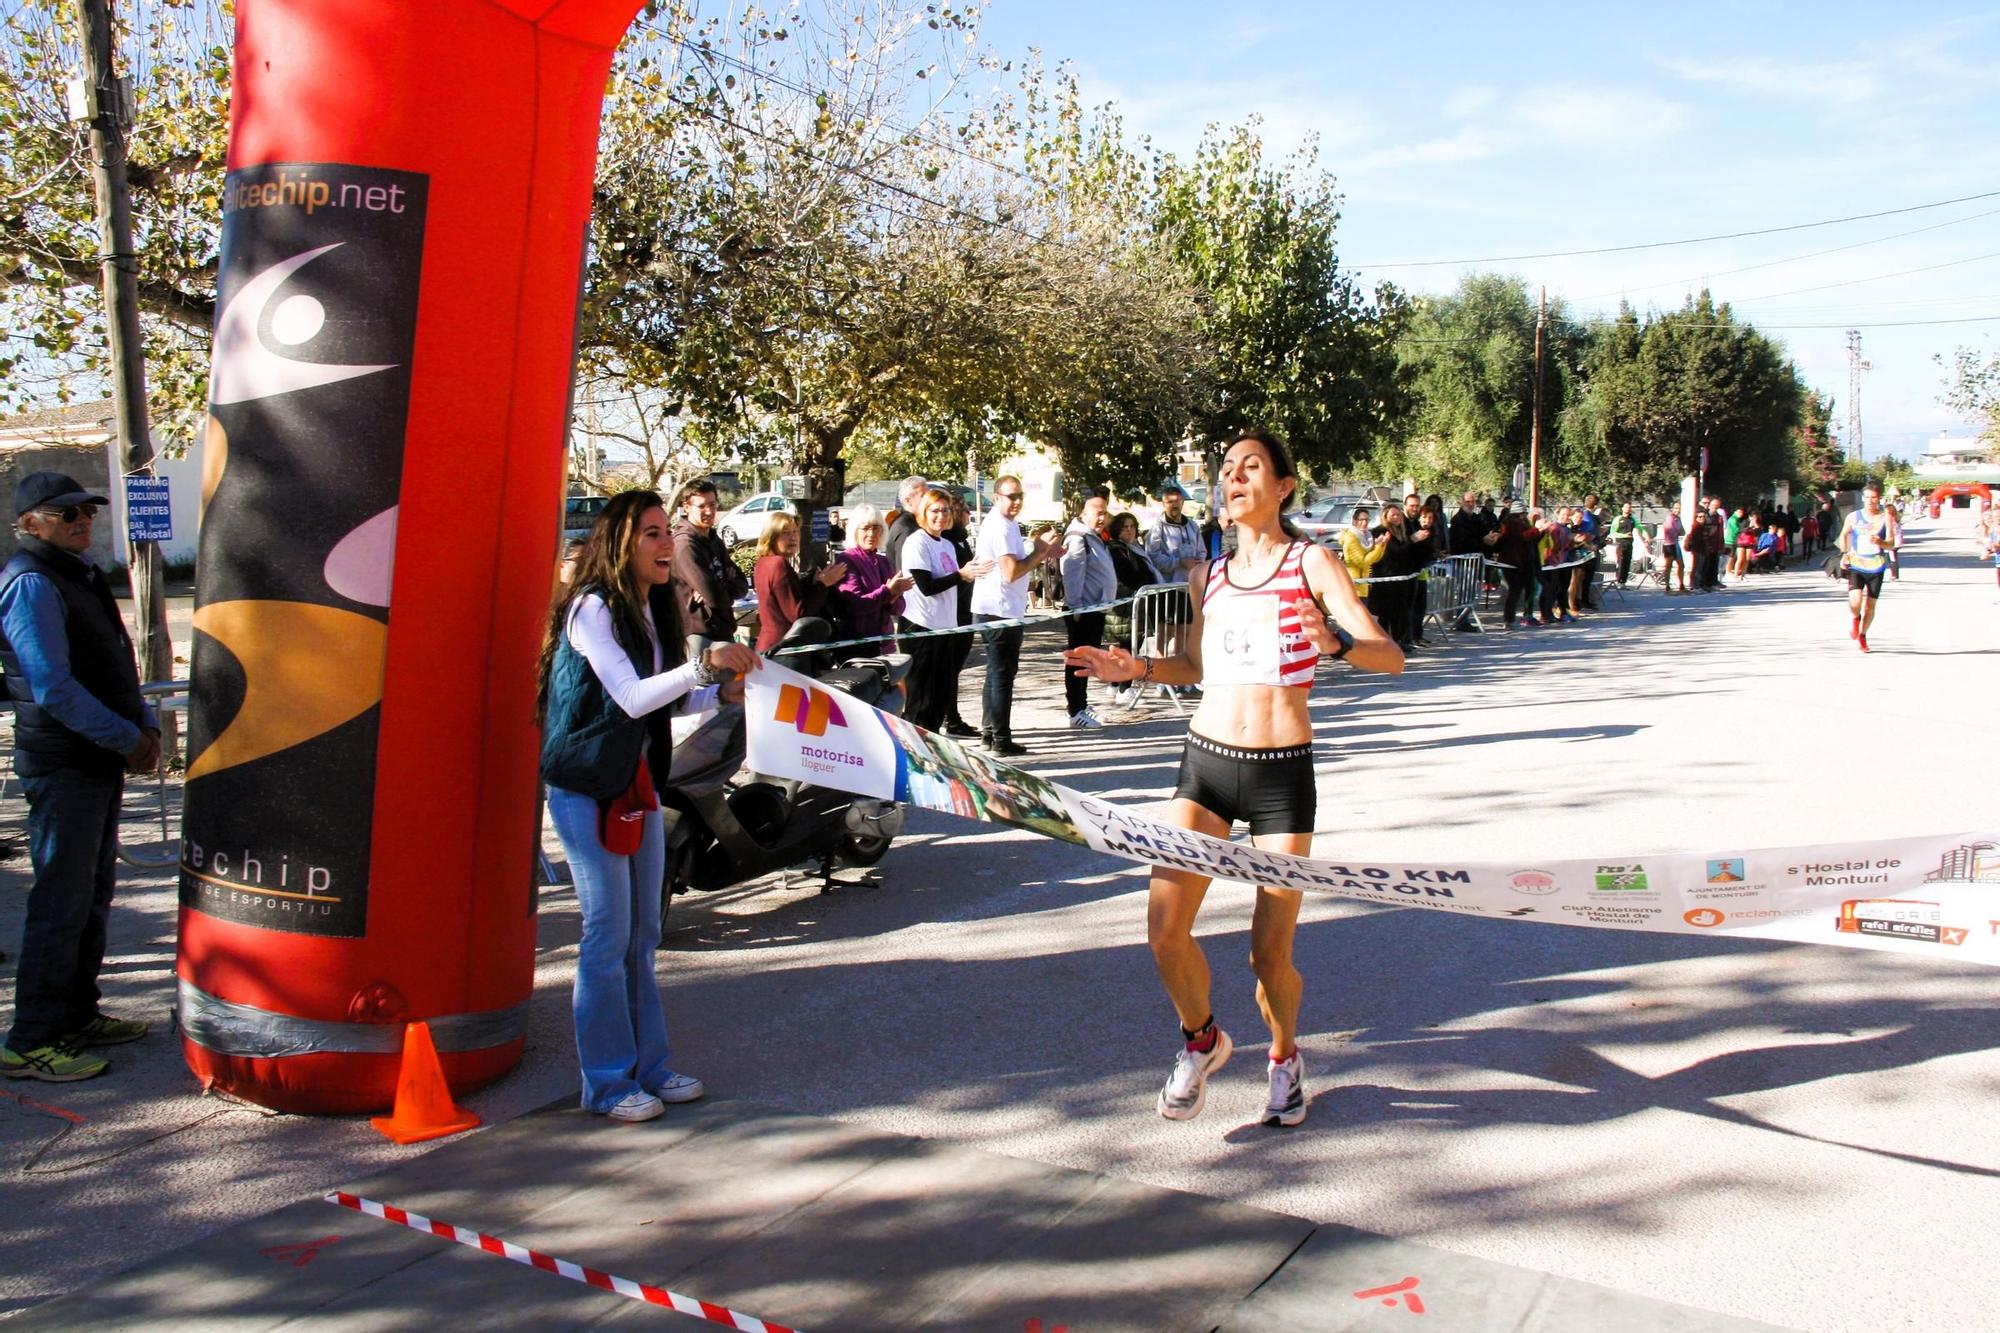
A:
[166,697]
[1452,589]
[1159,612]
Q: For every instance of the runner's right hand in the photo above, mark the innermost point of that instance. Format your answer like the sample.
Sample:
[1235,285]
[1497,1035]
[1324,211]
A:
[1113,665]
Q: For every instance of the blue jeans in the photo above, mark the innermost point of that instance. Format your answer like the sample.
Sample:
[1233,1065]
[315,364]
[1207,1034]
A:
[73,845]
[621,1030]
[1003,662]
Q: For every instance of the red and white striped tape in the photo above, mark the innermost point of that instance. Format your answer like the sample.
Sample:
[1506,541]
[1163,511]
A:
[638,1291]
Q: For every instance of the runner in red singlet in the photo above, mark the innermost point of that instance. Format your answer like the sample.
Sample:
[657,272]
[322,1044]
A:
[1263,618]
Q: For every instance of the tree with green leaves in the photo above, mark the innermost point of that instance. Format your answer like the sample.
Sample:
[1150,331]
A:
[1972,386]
[1295,344]
[1470,362]
[1659,393]
[177,54]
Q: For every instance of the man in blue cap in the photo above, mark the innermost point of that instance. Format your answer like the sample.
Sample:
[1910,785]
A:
[80,725]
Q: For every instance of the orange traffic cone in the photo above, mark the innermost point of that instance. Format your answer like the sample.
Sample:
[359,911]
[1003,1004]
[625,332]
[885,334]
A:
[424,1109]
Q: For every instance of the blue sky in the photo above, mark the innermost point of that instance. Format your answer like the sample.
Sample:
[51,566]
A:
[1469,131]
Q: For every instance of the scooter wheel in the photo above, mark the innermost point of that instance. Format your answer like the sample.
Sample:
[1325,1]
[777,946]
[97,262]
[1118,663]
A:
[864,851]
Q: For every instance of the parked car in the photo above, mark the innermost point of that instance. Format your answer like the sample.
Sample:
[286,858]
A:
[745,523]
[580,511]
[1322,520]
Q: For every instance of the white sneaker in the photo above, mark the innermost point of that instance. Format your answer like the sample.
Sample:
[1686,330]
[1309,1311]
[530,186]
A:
[637,1106]
[1084,721]
[1126,698]
[1287,1103]
[680,1088]
[1186,1091]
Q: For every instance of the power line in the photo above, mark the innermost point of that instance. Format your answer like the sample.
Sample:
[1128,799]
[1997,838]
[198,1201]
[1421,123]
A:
[1690,240]
[1788,259]
[1878,277]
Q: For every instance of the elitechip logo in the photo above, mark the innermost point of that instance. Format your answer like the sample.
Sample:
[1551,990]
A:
[810,710]
[1537,882]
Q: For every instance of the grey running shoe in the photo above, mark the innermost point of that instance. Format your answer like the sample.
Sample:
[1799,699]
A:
[1287,1103]
[1186,1090]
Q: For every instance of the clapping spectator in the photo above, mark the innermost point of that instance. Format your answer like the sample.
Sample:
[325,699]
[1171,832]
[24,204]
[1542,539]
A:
[869,596]
[782,596]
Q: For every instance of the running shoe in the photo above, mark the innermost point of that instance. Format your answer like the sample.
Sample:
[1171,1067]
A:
[1006,747]
[58,1062]
[1186,1090]
[1126,698]
[105,1030]
[1085,720]
[636,1106]
[1287,1103]
[1862,639]
[679,1088]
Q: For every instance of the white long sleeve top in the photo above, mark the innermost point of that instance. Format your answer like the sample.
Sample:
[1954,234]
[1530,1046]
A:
[591,634]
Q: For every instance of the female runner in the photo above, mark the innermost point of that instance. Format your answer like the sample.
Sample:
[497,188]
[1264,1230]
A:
[1262,619]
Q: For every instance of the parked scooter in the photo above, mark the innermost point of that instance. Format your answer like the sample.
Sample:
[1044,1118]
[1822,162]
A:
[726,826]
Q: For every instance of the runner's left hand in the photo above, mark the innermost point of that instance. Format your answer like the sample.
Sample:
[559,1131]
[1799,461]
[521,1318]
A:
[1313,623]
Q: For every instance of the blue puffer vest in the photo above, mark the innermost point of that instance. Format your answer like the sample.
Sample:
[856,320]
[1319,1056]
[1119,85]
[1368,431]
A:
[100,659]
[589,744]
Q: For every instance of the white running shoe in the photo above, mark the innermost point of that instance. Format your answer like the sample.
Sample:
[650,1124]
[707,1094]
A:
[680,1088]
[1084,721]
[1126,698]
[1287,1103]
[1186,1091]
[637,1106]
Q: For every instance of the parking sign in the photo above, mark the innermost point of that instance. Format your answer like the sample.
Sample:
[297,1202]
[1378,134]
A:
[149,511]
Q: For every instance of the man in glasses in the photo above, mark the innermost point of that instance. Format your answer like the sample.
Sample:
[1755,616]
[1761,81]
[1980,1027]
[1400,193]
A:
[80,725]
[1003,595]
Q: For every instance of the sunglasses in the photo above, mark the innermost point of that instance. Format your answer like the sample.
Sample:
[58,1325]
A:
[70,513]
[1006,495]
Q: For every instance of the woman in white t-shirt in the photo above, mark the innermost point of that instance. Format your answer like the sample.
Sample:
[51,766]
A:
[932,605]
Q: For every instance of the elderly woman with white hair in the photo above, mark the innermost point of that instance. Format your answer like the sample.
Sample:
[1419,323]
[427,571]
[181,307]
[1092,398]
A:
[867,601]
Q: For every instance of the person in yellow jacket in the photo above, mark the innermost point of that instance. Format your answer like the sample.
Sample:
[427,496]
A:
[1356,549]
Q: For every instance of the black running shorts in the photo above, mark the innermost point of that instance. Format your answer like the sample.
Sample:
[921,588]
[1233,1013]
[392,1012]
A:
[1869,583]
[1272,790]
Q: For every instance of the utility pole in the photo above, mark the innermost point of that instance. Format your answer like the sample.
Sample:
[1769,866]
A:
[1855,365]
[1535,426]
[106,104]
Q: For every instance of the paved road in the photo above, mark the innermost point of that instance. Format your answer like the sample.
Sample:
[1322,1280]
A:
[1796,1134]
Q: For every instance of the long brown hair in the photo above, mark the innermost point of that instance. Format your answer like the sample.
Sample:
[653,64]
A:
[604,567]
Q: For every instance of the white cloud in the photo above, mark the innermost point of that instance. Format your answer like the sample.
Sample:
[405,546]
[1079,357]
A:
[1848,81]
[1469,101]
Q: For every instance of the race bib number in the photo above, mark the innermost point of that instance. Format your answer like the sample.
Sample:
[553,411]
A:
[1239,642]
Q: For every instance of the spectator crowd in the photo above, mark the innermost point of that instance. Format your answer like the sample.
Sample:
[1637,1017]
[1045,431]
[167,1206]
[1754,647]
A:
[904,576]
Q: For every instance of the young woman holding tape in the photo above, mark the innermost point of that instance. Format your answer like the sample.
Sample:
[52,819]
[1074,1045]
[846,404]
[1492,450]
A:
[1263,617]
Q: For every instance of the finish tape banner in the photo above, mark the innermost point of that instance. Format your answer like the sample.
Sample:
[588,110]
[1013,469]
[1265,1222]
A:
[1934,896]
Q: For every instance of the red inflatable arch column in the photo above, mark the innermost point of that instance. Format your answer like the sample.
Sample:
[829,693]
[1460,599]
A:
[1949,489]
[402,239]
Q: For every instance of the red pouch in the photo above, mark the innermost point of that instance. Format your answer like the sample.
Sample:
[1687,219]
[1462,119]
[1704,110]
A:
[621,821]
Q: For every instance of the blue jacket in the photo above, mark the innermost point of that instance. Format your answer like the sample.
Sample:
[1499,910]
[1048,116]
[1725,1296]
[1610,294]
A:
[590,745]
[68,663]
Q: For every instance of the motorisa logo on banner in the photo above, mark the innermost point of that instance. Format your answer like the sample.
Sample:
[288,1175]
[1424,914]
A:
[809,709]
[800,729]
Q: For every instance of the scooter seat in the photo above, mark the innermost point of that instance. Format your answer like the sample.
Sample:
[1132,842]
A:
[864,683]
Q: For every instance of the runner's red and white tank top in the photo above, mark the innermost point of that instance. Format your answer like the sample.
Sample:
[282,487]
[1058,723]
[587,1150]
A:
[1252,636]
